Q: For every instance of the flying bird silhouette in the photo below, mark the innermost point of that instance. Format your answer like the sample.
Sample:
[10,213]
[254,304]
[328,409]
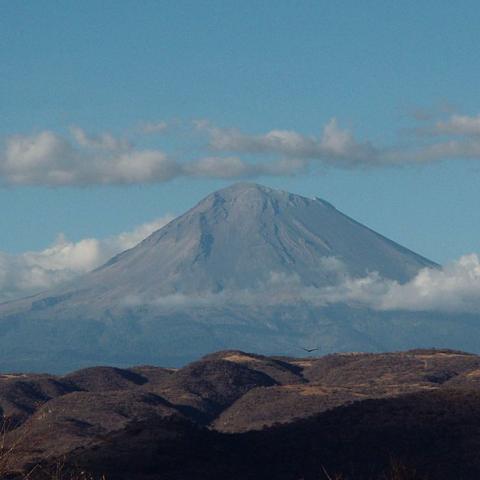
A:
[309,350]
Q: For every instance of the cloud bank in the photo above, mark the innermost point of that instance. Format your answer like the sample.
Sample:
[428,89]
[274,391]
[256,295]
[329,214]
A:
[453,289]
[51,159]
[32,272]
[336,147]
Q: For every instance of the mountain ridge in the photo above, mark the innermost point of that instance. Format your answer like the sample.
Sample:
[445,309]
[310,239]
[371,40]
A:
[234,414]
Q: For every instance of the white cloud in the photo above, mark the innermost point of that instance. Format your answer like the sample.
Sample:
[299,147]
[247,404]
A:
[459,125]
[336,140]
[139,167]
[338,148]
[41,158]
[104,141]
[50,159]
[452,289]
[455,288]
[333,143]
[32,272]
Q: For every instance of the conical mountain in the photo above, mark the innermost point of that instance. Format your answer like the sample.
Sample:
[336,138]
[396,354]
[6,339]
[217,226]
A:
[176,294]
[238,237]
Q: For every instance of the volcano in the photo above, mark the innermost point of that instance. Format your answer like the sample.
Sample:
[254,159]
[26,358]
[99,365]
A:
[226,274]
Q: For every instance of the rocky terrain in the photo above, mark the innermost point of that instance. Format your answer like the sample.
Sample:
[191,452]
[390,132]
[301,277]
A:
[236,415]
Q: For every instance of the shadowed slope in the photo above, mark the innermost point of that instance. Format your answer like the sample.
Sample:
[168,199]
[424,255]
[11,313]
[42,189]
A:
[224,417]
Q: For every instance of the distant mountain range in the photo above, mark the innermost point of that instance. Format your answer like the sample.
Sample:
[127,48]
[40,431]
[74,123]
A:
[242,269]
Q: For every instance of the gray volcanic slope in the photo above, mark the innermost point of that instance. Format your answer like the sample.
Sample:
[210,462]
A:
[175,295]
[238,236]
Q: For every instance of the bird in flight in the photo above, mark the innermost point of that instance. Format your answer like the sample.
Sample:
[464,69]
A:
[309,350]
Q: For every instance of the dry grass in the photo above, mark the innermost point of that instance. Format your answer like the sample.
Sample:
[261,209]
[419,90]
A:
[239,358]
[302,363]
[56,472]
[7,450]
[60,471]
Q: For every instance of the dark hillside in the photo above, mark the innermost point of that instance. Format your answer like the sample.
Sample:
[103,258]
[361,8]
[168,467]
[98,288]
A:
[236,415]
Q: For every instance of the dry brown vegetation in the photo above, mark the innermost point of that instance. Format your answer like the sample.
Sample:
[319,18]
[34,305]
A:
[238,415]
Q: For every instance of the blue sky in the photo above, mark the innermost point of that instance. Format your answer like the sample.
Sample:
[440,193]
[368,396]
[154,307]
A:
[399,78]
